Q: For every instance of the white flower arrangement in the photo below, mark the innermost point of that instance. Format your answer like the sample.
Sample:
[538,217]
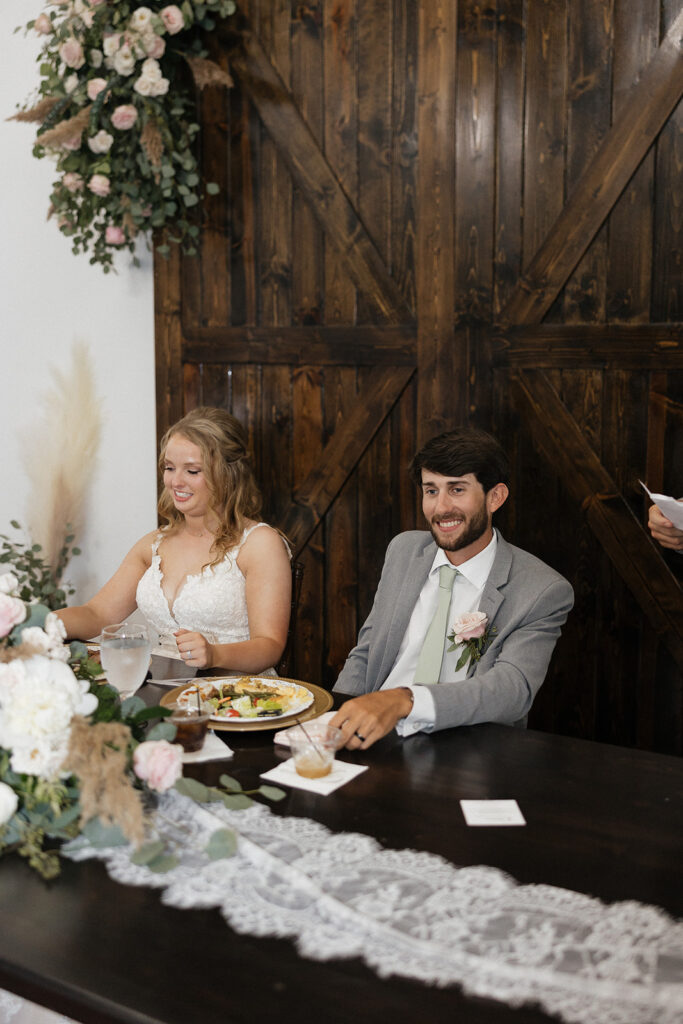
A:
[117,112]
[75,762]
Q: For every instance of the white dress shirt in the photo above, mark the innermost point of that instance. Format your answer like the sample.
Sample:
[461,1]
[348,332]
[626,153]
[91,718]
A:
[467,590]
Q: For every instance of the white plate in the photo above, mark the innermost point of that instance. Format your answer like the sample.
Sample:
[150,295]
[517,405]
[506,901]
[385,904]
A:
[299,701]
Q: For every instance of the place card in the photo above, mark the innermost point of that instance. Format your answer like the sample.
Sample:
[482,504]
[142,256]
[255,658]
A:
[342,772]
[492,812]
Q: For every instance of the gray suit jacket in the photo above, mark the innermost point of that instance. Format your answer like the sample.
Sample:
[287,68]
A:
[526,601]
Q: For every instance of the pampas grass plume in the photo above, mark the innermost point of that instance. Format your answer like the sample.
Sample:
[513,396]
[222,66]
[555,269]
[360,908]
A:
[60,451]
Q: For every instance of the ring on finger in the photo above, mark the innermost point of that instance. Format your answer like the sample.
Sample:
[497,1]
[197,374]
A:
[359,737]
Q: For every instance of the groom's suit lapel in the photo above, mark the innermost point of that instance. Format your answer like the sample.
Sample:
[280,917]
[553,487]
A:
[492,598]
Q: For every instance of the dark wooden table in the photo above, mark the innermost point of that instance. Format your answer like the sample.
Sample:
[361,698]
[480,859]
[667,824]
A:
[601,820]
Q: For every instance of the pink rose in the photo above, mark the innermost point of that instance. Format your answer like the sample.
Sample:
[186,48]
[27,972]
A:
[114,235]
[12,612]
[72,181]
[95,87]
[124,117]
[158,763]
[173,19]
[470,626]
[73,143]
[71,53]
[43,25]
[154,45]
[99,185]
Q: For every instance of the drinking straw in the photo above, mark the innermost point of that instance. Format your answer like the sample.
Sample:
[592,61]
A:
[309,738]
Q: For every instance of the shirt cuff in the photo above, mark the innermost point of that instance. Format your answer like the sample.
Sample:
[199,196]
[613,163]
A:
[422,717]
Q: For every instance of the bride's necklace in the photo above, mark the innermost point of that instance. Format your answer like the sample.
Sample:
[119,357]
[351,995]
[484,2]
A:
[198,536]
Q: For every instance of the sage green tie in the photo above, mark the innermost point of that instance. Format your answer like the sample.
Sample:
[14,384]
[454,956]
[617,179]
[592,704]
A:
[431,655]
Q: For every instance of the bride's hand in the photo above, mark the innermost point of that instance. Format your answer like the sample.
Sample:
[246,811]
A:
[195,649]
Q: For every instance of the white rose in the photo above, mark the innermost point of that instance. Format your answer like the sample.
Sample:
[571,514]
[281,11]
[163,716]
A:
[143,86]
[37,638]
[150,78]
[160,88]
[100,143]
[154,45]
[141,19]
[8,583]
[95,58]
[55,628]
[124,60]
[70,83]
[111,43]
[38,698]
[8,803]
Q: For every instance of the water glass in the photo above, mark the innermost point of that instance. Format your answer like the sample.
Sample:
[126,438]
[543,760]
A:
[125,652]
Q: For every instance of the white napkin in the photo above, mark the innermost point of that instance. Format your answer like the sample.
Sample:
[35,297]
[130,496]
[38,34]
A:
[342,772]
[213,750]
[283,735]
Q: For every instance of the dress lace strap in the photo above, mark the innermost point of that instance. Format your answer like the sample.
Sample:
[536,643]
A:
[250,529]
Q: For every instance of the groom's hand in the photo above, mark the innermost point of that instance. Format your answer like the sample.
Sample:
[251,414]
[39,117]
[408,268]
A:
[364,720]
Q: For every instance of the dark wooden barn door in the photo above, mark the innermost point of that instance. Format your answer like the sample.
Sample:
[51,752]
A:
[435,212]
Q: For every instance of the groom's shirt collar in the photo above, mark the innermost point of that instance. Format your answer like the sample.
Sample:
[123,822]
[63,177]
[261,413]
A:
[476,569]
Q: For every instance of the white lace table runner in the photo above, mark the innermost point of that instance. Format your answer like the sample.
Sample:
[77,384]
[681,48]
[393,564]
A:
[416,915]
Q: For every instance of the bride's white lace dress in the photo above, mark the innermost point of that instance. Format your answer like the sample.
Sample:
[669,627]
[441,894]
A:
[211,602]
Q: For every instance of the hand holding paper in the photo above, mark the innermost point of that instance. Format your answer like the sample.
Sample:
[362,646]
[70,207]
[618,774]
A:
[665,520]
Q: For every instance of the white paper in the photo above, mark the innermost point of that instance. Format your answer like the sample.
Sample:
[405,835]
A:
[492,812]
[342,772]
[669,506]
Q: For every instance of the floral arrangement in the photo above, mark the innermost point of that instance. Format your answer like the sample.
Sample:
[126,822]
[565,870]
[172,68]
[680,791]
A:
[77,765]
[117,111]
[470,631]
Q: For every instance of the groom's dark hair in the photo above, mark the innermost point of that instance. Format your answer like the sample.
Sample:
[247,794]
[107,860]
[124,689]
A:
[462,451]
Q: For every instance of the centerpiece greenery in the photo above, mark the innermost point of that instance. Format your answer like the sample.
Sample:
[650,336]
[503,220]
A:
[116,110]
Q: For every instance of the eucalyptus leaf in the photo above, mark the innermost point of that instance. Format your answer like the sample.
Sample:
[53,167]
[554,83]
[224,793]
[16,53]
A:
[160,865]
[67,816]
[148,852]
[222,843]
[131,706]
[194,789]
[236,801]
[100,835]
[228,782]
[272,792]
[162,731]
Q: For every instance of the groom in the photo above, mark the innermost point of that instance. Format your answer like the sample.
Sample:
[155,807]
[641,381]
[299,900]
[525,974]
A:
[410,674]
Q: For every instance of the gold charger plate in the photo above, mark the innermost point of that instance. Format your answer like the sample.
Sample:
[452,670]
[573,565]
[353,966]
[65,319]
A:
[322,701]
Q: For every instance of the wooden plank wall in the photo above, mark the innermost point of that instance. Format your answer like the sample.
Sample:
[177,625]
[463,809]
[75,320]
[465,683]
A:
[388,171]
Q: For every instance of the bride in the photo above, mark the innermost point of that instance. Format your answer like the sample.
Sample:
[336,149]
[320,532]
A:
[214,580]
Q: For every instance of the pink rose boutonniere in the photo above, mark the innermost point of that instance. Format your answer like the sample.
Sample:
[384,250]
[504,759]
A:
[470,631]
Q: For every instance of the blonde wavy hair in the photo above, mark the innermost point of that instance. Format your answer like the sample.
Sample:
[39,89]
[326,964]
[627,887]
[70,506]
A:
[235,496]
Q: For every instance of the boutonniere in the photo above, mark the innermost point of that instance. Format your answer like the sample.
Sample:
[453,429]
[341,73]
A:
[470,631]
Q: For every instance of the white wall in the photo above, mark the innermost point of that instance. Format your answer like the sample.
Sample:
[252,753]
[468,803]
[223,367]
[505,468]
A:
[50,299]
